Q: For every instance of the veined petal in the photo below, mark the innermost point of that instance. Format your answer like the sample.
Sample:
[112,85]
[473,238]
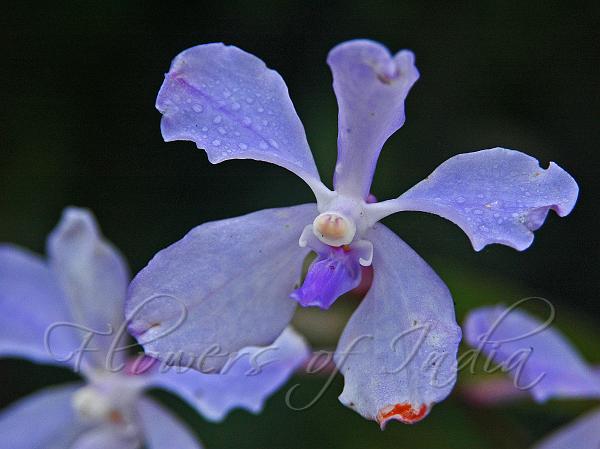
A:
[370,85]
[398,351]
[583,433]
[231,105]
[329,276]
[31,302]
[162,429]
[93,275]
[537,356]
[246,383]
[495,196]
[44,419]
[108,436]
[223,287]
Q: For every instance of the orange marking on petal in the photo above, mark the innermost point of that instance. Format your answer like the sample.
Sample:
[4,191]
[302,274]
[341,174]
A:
[401,412]
[116,417]
[346,248]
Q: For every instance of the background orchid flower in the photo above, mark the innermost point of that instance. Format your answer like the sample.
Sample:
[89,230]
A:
[69,311]
[236,276]
[542,362]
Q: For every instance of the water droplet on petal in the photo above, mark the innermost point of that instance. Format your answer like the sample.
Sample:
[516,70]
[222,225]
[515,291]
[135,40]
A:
[235,106]
[263,146]
[204,128]
[217,119]
[216,142]
[246,121]
[460,199]
[197,108]
[273,143]
[221,130]
[243,146]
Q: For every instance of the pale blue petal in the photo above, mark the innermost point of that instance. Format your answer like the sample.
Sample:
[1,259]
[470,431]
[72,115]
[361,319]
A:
[31,301]
[42,420]
[232,106]
[162,429]
[108,436]
[245,383]
[583,433]
[538,357]
[370,85]
[223,287]
[398,351]
[495,196]
[94,276]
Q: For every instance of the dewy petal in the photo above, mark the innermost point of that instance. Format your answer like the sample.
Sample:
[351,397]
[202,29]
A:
[537,356]
[231,105]
[94,276]
[108,436]
[44,419]
[583,433]
[246,383]
[31,302]
[223,287]
[162,429]
[370,85]
[329,276]
[398,351]
[495,196]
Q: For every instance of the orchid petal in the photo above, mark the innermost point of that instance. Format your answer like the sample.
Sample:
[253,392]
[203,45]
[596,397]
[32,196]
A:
[329,276]
[398,351]
[94,276]
[31,303]
[162,429]
[495,196]
[108,436]
[370,85]
[234,107]
[246,383]
[223,287]
[44,419]
[538,357]
[583,433]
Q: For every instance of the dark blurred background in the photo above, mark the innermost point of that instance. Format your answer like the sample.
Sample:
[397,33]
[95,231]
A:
[79,80]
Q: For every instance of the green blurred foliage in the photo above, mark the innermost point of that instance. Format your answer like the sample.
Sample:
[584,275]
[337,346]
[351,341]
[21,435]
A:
[79,127]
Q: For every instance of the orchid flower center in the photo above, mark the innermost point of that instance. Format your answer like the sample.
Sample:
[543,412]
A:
[91,404]
[334,229]
[108,398]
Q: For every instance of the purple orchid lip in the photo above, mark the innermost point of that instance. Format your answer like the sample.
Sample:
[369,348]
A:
[330,276]
[231,105]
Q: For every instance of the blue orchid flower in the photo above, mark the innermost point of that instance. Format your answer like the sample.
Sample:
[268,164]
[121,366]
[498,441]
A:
[68,311]
[541,362]
[237,278]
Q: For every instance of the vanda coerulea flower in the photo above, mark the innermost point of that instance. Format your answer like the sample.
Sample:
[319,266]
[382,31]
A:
[543,363]
[68,311]
[237,277]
